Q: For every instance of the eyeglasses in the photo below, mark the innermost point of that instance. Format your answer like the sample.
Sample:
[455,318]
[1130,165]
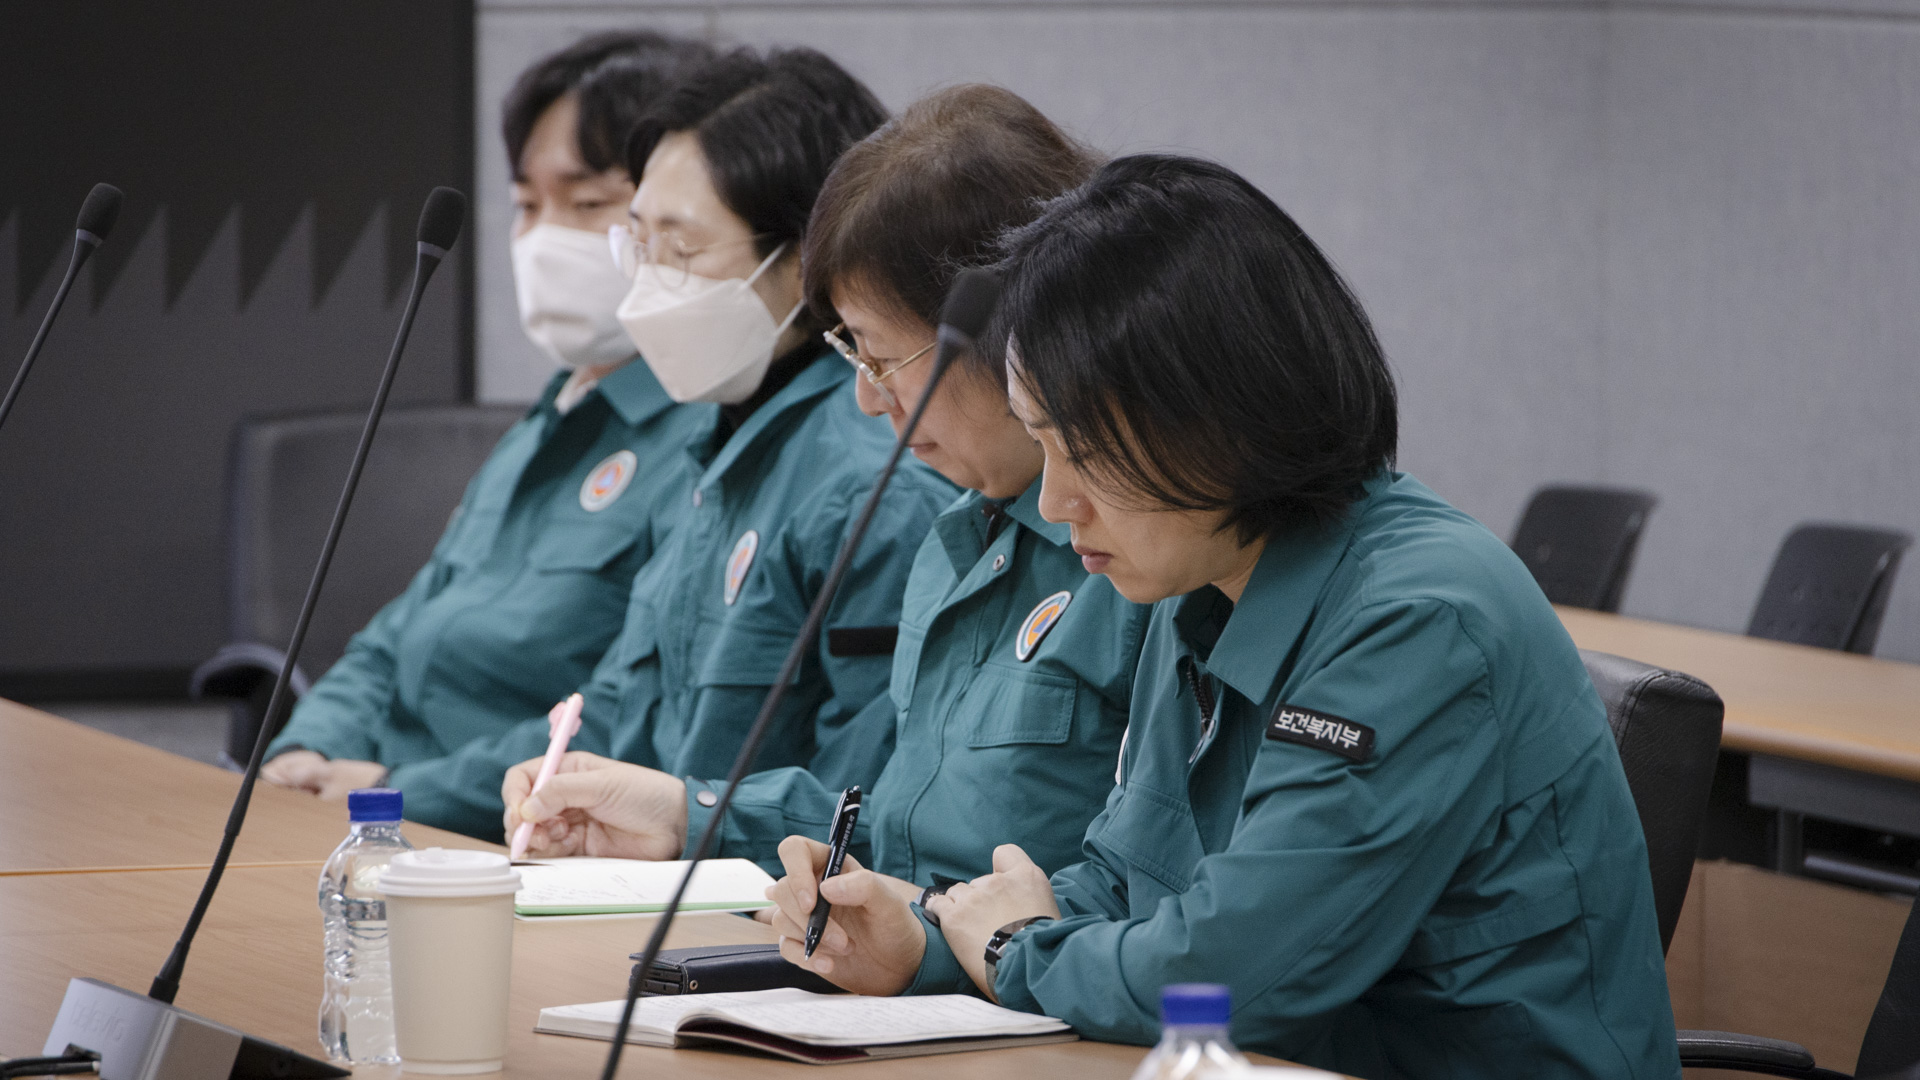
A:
[875,377]
[670,257]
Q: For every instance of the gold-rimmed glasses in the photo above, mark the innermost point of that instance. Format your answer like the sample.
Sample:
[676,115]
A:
[670,256]
[871,369]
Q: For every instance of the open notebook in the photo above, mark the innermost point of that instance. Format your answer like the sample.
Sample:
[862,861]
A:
[624,886]
[820,1029]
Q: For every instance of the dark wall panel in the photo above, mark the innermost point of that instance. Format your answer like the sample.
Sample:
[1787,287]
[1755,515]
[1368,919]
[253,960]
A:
[274,159]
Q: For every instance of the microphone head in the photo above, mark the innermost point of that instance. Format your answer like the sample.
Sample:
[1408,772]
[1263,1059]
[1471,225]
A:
[970,302]
[442,217]
[100,211]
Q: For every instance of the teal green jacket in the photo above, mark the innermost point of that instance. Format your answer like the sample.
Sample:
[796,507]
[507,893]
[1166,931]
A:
[710,618]
[525,589]
[1406,841]
[993,742]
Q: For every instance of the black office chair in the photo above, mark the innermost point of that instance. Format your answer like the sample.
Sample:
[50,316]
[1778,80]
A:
[1890,1049]
[1829,586]
[284,477]
[1667,726]
[1579,542]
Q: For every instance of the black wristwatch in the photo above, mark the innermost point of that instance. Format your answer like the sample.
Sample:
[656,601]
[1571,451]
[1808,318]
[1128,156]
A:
[999,941]
[941,883]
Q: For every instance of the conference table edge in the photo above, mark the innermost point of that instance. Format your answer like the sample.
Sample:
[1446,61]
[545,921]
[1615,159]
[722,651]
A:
[1757,726]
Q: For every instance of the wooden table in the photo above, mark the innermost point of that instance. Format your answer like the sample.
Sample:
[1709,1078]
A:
[1830,734]
[105,848]
[79,799]
[256,966]
[1791,701]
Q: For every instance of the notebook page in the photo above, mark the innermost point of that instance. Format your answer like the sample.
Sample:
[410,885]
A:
[587,883]
[656,1015]
[852,1020]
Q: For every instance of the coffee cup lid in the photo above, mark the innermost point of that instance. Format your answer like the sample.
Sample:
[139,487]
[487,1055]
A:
[449,872]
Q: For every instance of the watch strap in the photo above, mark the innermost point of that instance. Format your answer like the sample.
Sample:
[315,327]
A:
[999,940]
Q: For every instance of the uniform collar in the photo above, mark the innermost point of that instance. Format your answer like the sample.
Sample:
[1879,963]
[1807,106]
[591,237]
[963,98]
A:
[1278,602]
[544,403]
[960,527]
[824,375]
[1026,511]
[634,392]
[630,389]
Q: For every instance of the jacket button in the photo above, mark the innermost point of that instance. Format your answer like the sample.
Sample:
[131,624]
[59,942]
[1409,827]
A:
[998,562]
[706,798]
[696,498]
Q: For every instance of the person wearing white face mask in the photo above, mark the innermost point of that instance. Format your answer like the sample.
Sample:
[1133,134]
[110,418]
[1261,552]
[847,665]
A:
[530,582]
[730,162]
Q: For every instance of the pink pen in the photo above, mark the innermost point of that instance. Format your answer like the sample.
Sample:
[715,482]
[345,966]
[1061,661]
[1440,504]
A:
[563,721]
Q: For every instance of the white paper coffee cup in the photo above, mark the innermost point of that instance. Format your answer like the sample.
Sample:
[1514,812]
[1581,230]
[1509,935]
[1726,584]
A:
[450,932]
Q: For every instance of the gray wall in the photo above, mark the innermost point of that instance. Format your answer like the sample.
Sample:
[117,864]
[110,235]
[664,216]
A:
[1666,245]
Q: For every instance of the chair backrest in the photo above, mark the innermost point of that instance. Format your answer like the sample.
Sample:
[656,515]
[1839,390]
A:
[1579,542]
[1667,726]
[284,478]
[1829,586]
[1892,1044]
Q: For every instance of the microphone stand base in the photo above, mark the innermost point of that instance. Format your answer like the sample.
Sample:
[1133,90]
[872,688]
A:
[139,1038]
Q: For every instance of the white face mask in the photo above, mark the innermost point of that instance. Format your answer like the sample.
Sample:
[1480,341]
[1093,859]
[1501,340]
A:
[569,290]
[705,339]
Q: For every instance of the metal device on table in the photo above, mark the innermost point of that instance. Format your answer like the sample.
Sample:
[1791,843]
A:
[145,1036]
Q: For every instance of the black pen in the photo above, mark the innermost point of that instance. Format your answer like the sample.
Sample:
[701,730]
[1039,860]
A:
[844,816]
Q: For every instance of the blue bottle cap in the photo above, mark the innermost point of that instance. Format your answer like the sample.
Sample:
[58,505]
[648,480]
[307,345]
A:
[374,804]
[1195,1003]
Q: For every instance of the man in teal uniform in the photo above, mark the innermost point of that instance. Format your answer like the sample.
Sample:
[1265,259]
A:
[1014,665]
[780,471]
[1367,784]
[529,583]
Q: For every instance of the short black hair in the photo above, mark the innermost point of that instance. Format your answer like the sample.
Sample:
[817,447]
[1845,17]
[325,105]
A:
[770,127]
[1191,346]
[927,196]
[616,75]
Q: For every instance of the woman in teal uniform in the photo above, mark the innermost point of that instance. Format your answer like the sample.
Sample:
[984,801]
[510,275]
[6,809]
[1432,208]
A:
[730,162]
[1368,784]
[1014,665]
[529,584]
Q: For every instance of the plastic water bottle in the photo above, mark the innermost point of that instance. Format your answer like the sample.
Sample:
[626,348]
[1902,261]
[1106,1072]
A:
[356,1007]
[1193,1034]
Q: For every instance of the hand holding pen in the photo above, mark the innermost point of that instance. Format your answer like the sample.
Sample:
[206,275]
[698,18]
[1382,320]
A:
[562,722]
[844,816]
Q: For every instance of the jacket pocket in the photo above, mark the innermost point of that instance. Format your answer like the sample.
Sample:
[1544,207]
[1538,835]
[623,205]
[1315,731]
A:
[1442,942]
[581,549]
[1151,833]
[1011,707]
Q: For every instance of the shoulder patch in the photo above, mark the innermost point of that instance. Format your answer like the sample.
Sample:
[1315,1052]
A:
[739,563]
[1293,724]
[607,481]
[1040,620]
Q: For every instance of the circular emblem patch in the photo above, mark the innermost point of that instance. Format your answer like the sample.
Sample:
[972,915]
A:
[739,562]
[1040,620]
[607,480]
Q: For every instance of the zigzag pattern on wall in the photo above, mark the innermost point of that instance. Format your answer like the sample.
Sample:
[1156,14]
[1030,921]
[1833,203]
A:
[267,122]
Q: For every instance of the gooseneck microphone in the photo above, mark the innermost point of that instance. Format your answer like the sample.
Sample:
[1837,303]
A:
[97,216]
[970,303]
[440,222]
[130,1031]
